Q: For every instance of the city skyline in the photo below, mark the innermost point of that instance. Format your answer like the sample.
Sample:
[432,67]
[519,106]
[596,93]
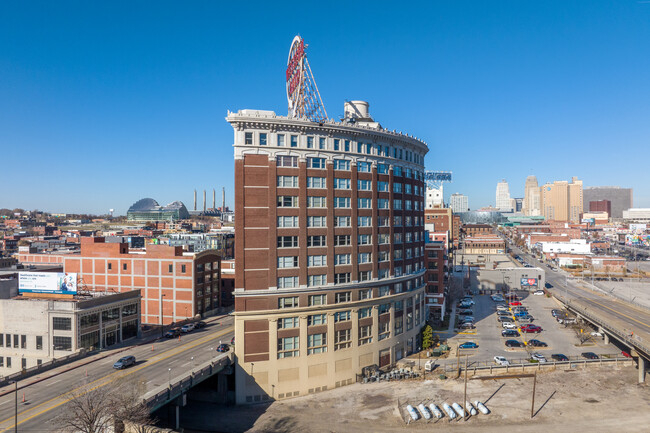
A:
[118,105]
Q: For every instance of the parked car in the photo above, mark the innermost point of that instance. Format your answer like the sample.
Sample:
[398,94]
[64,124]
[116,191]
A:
[467,325]
[596,334]
[468,345]
[223,348]
[538,292]
[199,325]
[502,307]
[510,333]
[556,313]
[508,325]
[531,329]
[513,343]
[125,361]
[174,332]
[467,300]
[514,303]
[504,313]
[521,314]
[559,357]
[537,343]
[589,355]
[538,357]
[504,319]
[188,327]
[500,360]
[467,319]
[465,312]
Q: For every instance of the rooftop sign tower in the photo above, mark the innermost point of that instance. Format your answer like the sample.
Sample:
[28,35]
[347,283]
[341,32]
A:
[302,92]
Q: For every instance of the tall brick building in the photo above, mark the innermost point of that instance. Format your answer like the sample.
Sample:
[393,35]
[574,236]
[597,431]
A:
[329,251]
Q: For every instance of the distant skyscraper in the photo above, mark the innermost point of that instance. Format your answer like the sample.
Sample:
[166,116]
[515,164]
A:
[531,205]
[518,204]
[621,198]
[562,201]
[458,203]
[503,202]
[435,197]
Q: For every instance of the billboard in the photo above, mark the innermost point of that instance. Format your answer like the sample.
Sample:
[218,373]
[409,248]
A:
[60,283]
[529,282]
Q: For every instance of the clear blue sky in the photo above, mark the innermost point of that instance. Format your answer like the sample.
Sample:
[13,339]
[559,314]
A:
[103,104]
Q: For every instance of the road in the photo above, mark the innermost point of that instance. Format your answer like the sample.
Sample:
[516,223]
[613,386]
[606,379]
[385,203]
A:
[618,313]
[169,360]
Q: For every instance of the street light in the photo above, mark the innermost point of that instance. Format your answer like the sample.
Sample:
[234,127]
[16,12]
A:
[170,376]
[192,359]
[162,326]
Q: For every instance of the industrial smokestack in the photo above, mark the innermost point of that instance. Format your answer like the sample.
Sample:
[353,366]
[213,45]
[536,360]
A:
[214,199]
[194,200]
[203,201]
[223,200]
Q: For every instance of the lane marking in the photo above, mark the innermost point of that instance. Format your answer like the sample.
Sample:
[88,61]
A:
[108,379]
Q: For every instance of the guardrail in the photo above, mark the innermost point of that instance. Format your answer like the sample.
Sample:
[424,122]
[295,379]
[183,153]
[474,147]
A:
[176,389]
[572,363]
[31,371]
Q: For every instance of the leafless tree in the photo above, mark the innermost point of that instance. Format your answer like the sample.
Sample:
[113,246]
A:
[106,409]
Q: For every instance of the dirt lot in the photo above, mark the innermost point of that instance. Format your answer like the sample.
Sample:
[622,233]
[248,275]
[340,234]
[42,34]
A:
[599,399]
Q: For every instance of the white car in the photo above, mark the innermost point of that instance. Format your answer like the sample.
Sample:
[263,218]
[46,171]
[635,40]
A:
[187,328]
[500,360]
[509,325]
[468,301]
[538,357]
[502,308]
[596,334]
[538,292]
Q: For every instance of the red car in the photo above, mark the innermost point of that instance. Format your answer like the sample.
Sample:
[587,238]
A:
[531,328]
[515,304]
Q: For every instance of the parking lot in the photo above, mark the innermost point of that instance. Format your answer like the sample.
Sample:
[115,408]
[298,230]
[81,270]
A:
[487,333]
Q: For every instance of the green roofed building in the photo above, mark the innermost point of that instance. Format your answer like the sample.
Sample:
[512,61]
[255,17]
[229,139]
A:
[148,209]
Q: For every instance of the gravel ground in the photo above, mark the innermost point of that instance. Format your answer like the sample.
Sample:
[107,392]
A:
[599,399]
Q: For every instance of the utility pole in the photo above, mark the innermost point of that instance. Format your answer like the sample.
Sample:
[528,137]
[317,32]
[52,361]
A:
[532,404]
[465,393]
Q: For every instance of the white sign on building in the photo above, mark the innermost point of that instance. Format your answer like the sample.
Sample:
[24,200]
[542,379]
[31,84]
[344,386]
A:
[61,283]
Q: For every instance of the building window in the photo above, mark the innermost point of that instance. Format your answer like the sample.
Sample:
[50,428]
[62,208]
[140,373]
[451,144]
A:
[315,261]
[287,201]
[287,161]
[316,182]
[287,283]
[342,259]
[183,269]
[341,202]
[310,142]
[316,162]
[39,342]
[61,323]
[342,339]
[280,141]
[294,141]
[288,262]
[16,336]
[316,202]
[23,363]
[316,343]
[62,343]
[364,185]
[383,273]
[342,278]
[364,203]
[365,276]
[110,266]
[398,238]
[2,361]
[347,145]
[287,241]
[321,143]
[337,144]
[342,221]
[383,239]
[384,291]
[8,362]
[342,316]
[288,347]
[341,183]
[363,166]
[364,240]
[316,280]
[397,171]
[364,312]
[262,139]
[398,288]
[316,221]
[409,321]
[365,335]
[341,240]
[170,268]
[317,319]
[248,138]
[315,300]
[316,241]
[288,302]
[384,308]
[287,181]
[287,221]
[288,322]
[364,221]
[342,297]
[384,330]
[382,168]
[23,342]
[399,325]
[364,257]
[341,164]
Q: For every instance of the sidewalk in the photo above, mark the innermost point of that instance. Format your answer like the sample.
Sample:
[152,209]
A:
[146,338]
